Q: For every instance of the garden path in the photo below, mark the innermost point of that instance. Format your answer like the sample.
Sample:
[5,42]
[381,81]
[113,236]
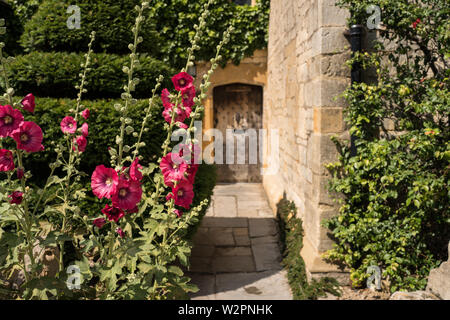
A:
[236,253]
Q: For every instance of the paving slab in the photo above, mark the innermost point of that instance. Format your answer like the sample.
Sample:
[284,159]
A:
[235,253]
[262,227]
[267,256]
[267,285]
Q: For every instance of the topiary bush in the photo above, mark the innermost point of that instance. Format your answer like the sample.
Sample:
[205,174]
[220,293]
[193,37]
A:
[55,74]
[112,20]
[395,211]
[166,33]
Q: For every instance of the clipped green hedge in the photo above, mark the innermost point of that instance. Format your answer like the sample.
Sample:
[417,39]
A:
[167,31]
[103,127]
[55,74]
[14,29]
[112,20]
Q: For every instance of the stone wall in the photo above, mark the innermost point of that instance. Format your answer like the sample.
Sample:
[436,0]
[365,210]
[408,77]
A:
[306,72]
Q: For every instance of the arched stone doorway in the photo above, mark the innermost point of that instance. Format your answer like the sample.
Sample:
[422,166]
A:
[239,107]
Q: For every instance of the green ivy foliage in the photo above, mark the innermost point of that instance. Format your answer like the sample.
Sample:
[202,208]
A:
[13,27]
[395,211]
[291,236]
[166,33]
[55,74]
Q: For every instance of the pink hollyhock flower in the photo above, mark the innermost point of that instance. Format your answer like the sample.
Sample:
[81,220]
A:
[28,137]
[134,210]
[6,160]
[173,168]
[16,197]
[415,23]
[85,130]
[180,115]
[68,125]
[104,182]
[120,232]
[182,80]
[28,103]
[183,194]
[193,153]
[99,222]
[165,99]
[81,143]
[86,113]
[113,213]
[10,120]
[181,125]
[128,194]
[19,173]
[187,96]
[135,174]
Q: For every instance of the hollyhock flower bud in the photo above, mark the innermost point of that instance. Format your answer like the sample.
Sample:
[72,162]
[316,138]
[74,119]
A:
[6,160]
[415,23]
[68,125]
[16,197]
[86,113]
[19,173]
[81,143]
[179,213]
[85,130]
[10,120]
[28,137]
[28,103]
[182,80]
[135,174]
[99,222]
[120,232]
[113,213]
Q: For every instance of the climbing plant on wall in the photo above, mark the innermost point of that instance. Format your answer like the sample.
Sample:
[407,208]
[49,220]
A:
[395,211]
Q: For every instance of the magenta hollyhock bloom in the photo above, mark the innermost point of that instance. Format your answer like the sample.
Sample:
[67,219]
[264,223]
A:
[16,197]
[173,168]
[134,210]
[28,103]
[187,96]
[68,125]
[10,120]
[195,153]
[19,173]
[165,99]
[120,232]
[183,194]
[415,23]
[113,213]
[180,116]
[28,137]
[104,182]
[182,80]
[134,172]
[86,113]
[128,194]
[81,143]
[99,222]
[85,130]
[6,160]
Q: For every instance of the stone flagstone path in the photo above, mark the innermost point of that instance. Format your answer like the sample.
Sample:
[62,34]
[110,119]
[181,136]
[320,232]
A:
[236,254]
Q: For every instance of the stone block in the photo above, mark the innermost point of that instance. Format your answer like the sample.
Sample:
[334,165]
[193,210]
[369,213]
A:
[328,120]
[415,295]
[225,206]
[439,279]
[262,227]
[234,251]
